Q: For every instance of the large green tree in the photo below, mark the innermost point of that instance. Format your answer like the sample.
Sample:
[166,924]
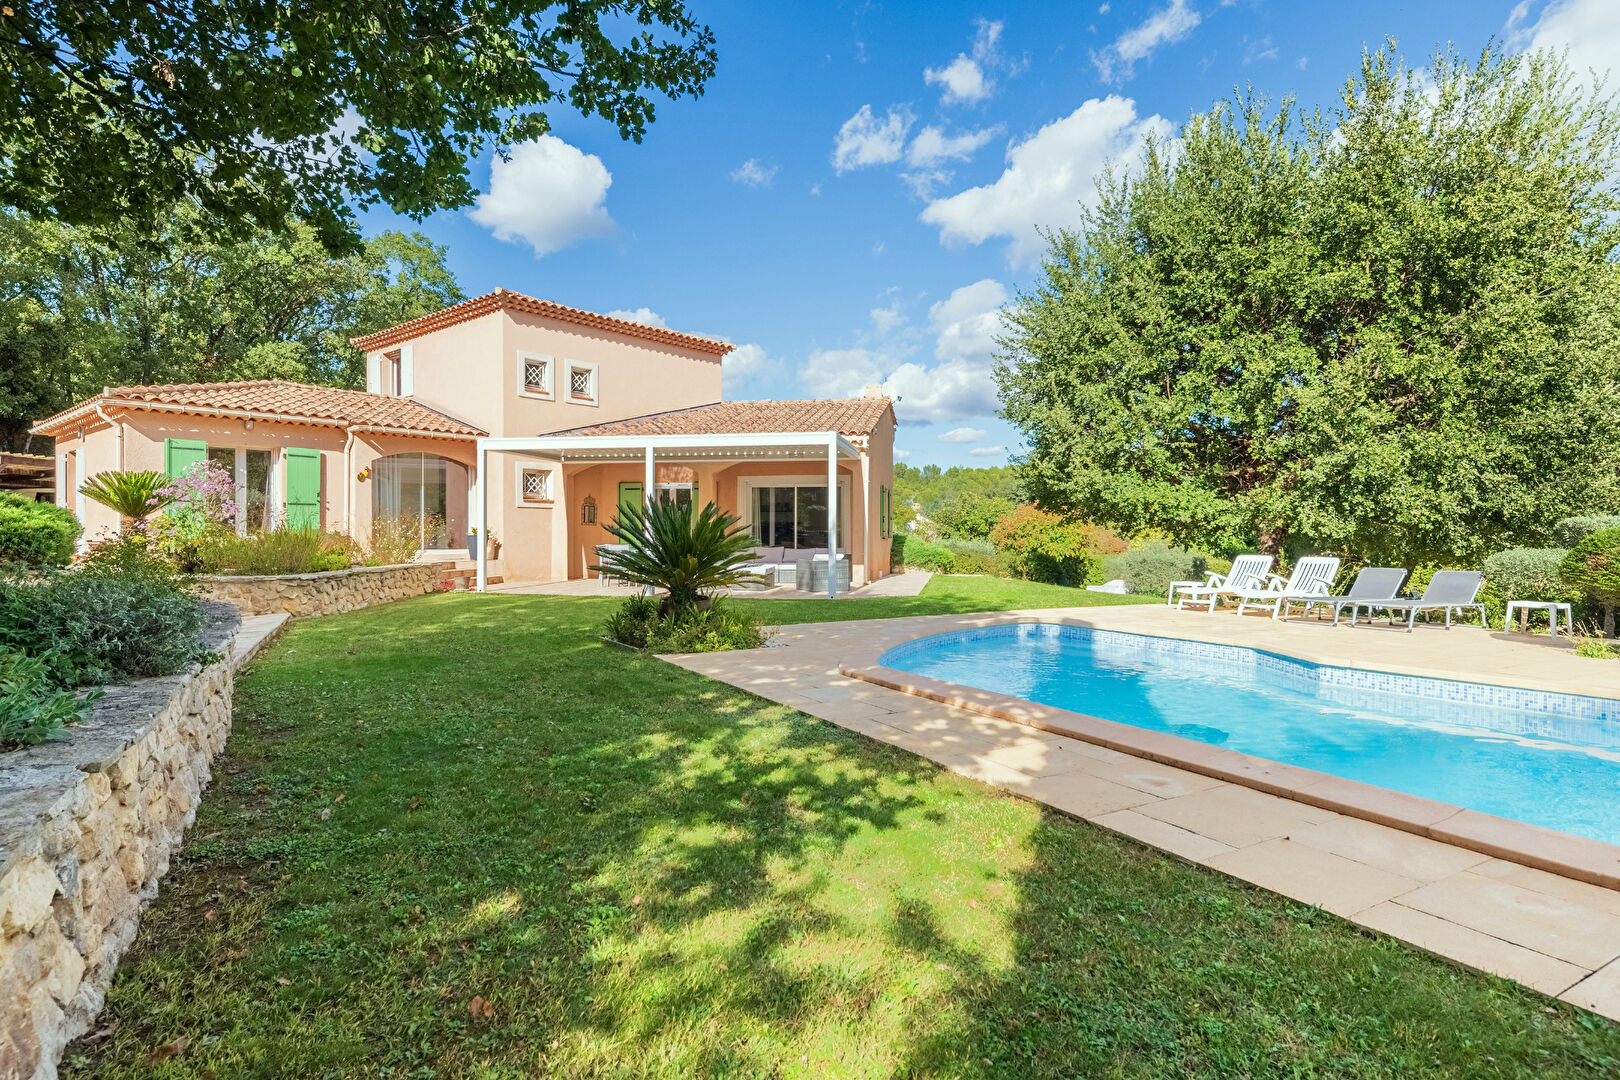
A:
[115,112]
[1391,330]
[77,314]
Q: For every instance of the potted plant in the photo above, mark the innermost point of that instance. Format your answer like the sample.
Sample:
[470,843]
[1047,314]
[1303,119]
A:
[494,543]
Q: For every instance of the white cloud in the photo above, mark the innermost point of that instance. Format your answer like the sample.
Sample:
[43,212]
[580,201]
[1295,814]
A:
[959,388]
[966,323]
[988,451]
[865,140]
[963,79]
[1255,51]
[964,434]
[547,193]
[923,182]
[886,320]
[739,366]
[754,174]
[932,146]
[1589,29]
[1047,176]
[902,455]
[1115,63]
[646,316]
[966,80]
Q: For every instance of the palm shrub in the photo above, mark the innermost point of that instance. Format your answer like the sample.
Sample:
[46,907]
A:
[132,495]
[686,552]
[35,533]
[1593,566]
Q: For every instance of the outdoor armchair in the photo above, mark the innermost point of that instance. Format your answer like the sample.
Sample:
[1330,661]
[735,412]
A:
[1248,572]
[1312,576]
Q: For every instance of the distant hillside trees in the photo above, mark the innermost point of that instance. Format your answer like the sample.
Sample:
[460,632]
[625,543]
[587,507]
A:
[1392,329]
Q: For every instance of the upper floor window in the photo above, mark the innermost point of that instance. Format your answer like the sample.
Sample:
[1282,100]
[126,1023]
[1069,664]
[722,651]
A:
[535,375]
[582,382]
[391,374]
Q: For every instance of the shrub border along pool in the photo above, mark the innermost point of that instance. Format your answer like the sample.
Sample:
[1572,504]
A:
[87,828]
[1578,857]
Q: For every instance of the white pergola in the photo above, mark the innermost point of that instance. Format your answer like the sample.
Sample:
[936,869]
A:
[670,449]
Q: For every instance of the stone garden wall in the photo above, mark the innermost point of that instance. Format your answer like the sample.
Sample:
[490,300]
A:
[325,593]
[87,826]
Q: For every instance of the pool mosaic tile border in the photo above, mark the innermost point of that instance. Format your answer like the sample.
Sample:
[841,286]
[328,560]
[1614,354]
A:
[1562,706]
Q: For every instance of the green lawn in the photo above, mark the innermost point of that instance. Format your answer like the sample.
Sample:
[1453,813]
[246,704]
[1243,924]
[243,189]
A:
[457,836]
[941,596]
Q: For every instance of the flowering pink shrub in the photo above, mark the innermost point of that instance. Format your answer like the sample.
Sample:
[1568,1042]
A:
[202,504]
[205,489]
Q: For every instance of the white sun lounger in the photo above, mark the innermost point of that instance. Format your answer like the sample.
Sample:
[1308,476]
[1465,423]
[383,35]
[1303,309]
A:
[1248,572]
[1372,583]
[1313,576]
[1449,590]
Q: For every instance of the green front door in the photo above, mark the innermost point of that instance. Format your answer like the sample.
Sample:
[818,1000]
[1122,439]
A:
[630,498]
[303,488]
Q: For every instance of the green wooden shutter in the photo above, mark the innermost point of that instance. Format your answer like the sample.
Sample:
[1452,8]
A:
[181,454]
[630,496]
[303,488]
[883,512]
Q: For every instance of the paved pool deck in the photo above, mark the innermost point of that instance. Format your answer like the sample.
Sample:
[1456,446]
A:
[1548,931]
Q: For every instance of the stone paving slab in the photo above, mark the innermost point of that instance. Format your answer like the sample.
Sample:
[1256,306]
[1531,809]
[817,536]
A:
[1549,932]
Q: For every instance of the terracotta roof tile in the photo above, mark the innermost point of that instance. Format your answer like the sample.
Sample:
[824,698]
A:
[265,398]
[847,416]
[507,300]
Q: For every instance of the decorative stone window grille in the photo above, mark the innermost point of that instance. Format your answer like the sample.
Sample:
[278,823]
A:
[535,375]
[536,485]
[582,383]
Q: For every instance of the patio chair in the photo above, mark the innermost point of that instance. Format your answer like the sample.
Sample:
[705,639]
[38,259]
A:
[1372,583]
[1248,572]
[1449,590]
[1313,576]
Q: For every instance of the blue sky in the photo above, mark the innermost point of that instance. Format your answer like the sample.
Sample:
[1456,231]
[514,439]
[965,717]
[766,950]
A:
[856,195]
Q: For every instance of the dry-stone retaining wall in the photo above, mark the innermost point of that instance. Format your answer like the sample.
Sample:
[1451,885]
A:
[325,593]
[87,826]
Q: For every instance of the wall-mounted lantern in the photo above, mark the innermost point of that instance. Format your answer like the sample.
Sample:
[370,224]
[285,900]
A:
[588,510]
[364,474]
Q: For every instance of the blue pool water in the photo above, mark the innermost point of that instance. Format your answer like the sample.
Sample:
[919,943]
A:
[1547,759]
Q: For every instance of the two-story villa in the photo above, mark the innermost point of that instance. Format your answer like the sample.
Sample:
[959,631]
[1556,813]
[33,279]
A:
[533,420]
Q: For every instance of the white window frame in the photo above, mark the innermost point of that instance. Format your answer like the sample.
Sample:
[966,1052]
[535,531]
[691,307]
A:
[524,359]
[393,373]
[846,527]
[548,500]
[571,366]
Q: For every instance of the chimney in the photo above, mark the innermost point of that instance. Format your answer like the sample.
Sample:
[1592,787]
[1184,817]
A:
[872,391]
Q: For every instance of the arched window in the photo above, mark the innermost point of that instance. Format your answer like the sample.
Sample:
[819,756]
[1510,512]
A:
[428,488]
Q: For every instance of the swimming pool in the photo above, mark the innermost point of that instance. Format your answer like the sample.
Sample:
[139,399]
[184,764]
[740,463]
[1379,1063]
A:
[1543,758]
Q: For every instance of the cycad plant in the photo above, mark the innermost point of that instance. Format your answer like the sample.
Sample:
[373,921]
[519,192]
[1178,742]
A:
[134,495]
[686,551]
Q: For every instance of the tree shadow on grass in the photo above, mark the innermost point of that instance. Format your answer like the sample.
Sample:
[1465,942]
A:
[1128,963]
[417,811]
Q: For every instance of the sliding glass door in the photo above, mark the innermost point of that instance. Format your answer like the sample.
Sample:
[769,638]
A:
[795,516]
[429,490]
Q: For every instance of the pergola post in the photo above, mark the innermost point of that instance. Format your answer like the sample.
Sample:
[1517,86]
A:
[832,516]
[646,503]
[481,512]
